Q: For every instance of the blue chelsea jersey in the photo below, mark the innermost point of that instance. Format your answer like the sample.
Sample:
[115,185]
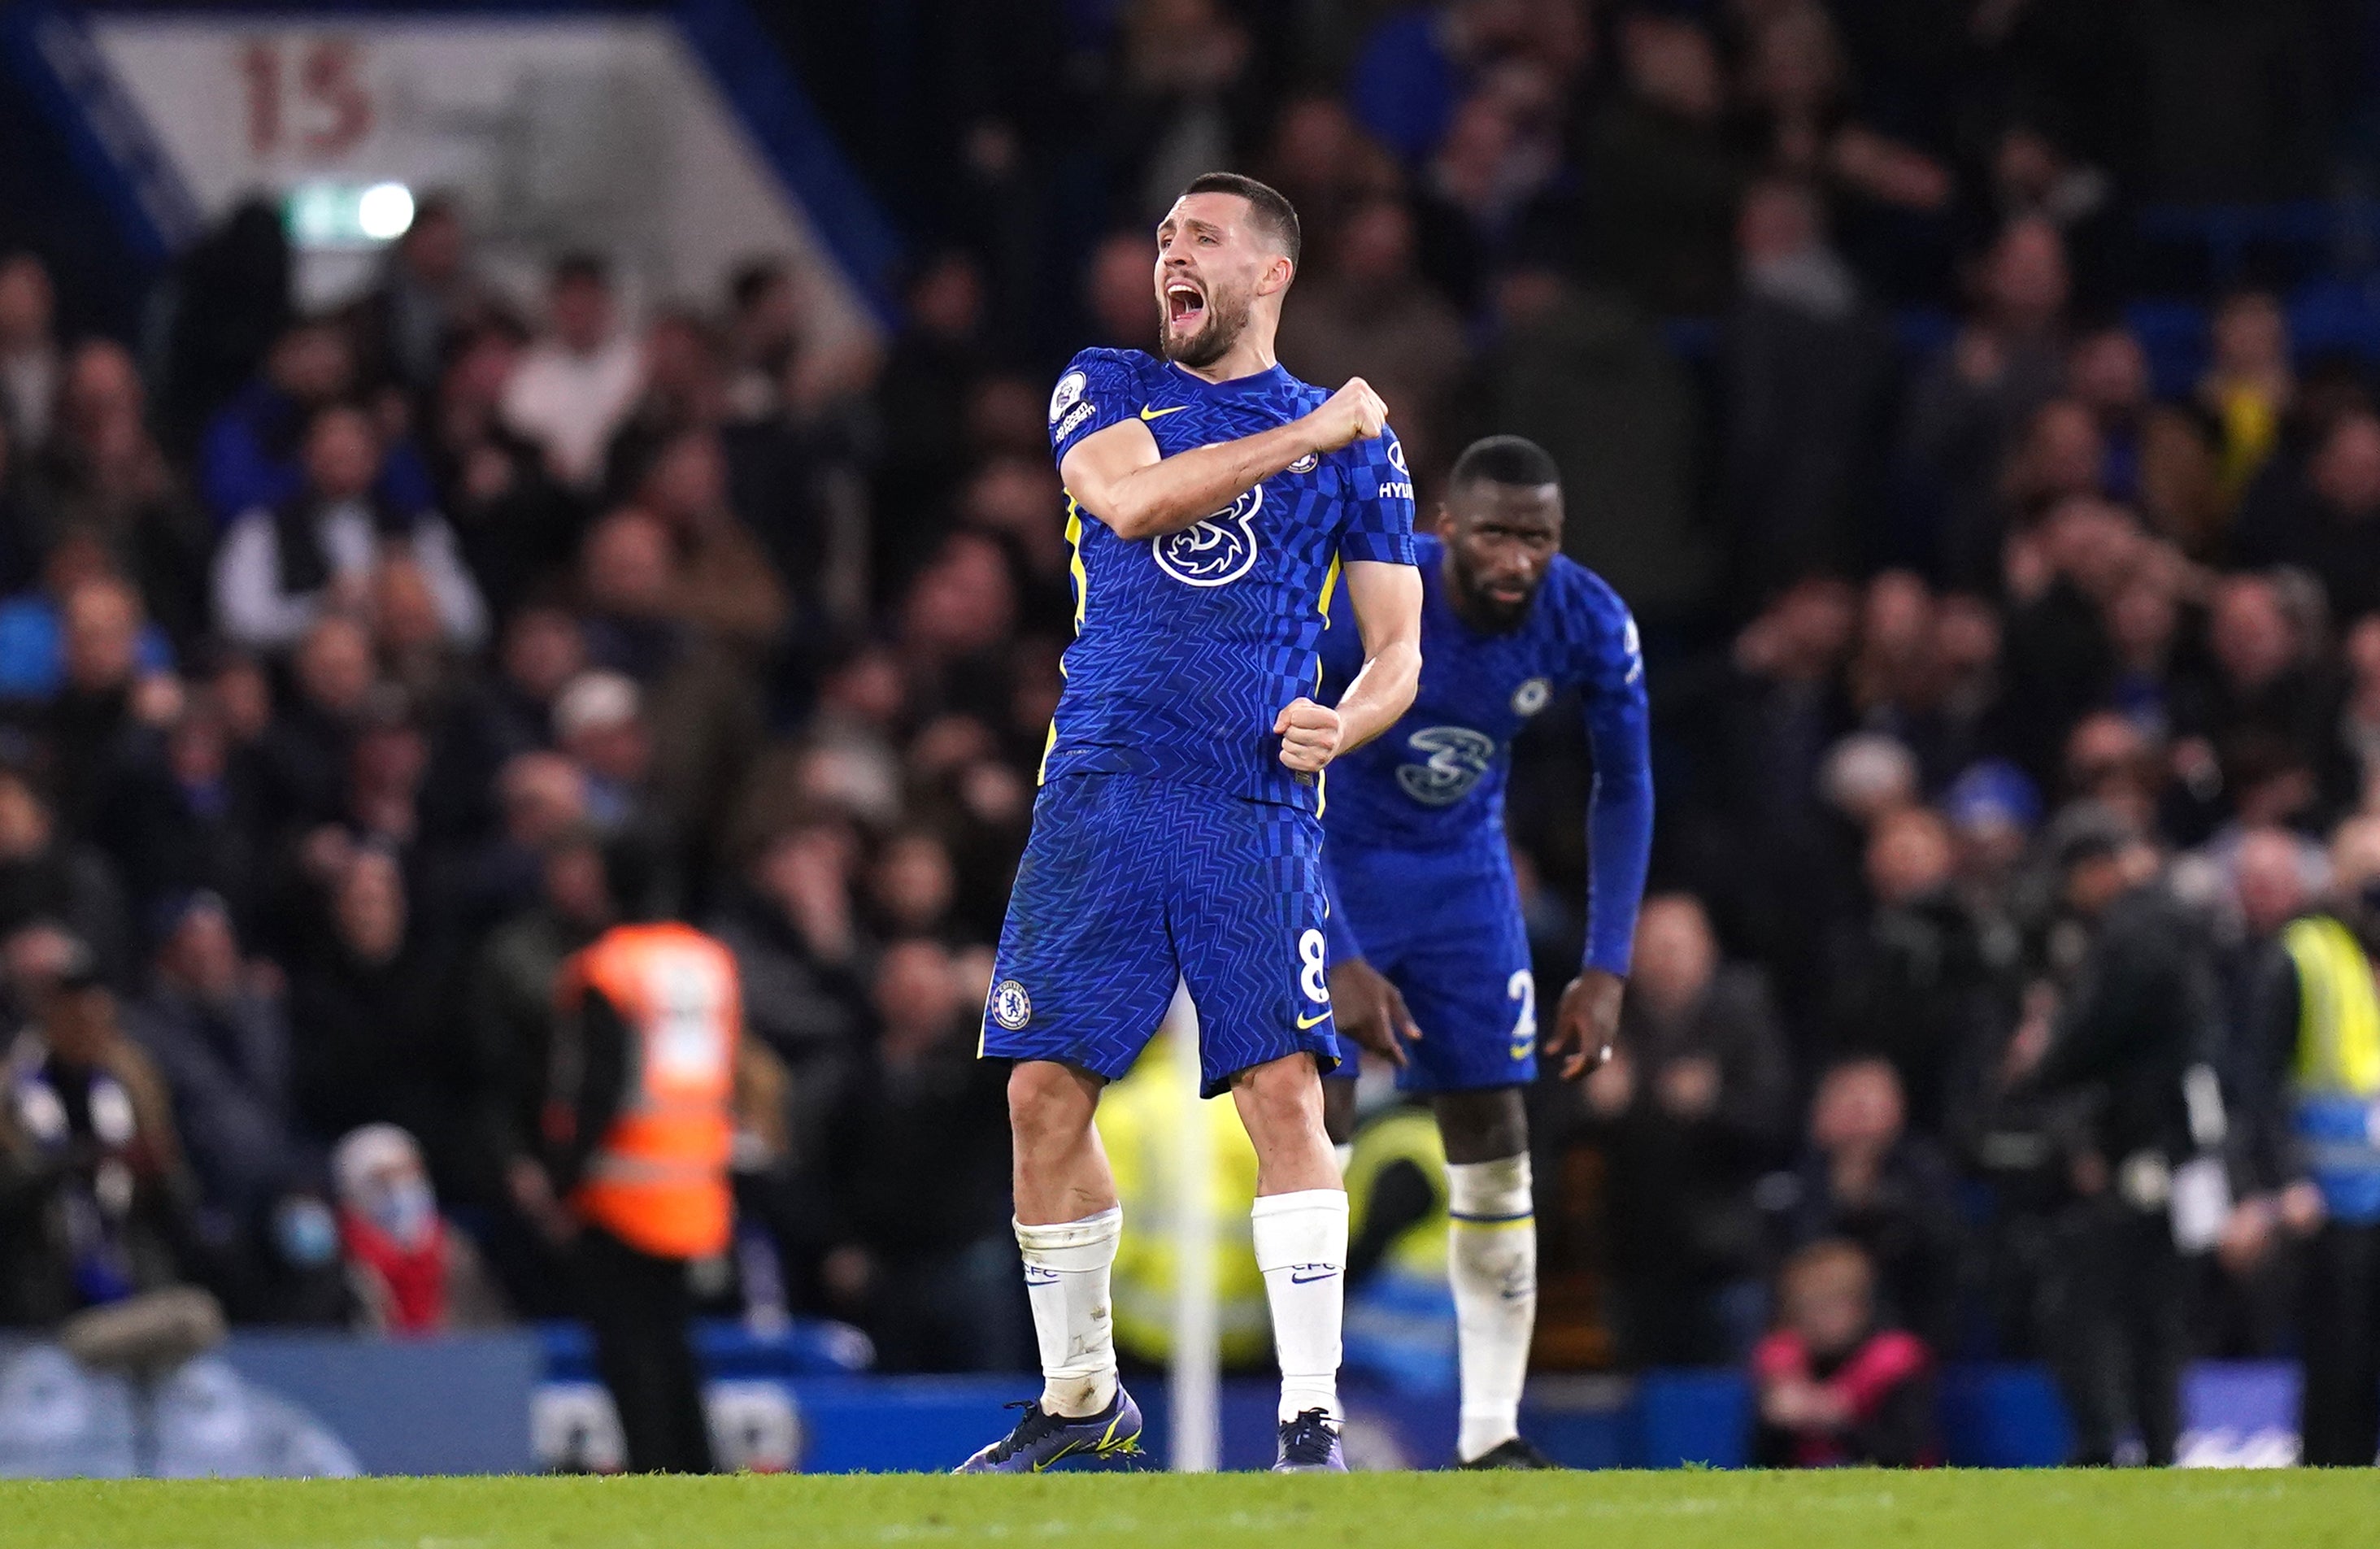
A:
[1436,778]
[1187,647]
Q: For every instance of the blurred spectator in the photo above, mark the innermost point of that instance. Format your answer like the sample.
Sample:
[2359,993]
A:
[1866,1179]
[575,386]
[1691,1109]
[1795,78]
[2248,389]
[220,1037]
[764,335]
[183,814]
[1660,176]
[1184,101]
[1410,71]
[2153,455]
[103,479]
[1968,405]
[2262,698]
[1805,373]
[515,524]
[599,721]
[1834,1386]
[106,693]
[725,584]
[509,1005]
[930,1278]
[803,957]
[224,305]
[2330,526]
[426,298]
[1588,378]
[30,364]
[1367,314]
[370,1002]
[1326,165]
[282,566]
[94,1194]
[920,404]
[257,451]
[1911,983]
[1118,291]
[49,878]
[415,1275]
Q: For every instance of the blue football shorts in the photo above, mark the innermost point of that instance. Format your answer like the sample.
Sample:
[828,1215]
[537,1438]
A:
[1131,884]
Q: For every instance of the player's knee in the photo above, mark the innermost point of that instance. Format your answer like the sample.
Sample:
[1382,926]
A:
[1048,1105]
[1482,1126]
[1281,1096]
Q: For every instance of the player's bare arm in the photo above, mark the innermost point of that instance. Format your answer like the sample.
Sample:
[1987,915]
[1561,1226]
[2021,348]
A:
[1387,600]
[1119,477]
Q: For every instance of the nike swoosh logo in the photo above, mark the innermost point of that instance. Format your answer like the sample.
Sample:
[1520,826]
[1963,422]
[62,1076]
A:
[1148,413]
[1296,1278]
[1305,1022]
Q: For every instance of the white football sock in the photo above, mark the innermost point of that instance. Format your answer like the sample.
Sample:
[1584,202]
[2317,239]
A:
[1492,1260]
[1301,1241]
[1066,1269]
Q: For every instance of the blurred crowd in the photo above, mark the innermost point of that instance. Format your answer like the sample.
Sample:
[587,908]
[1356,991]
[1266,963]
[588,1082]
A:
[333,646]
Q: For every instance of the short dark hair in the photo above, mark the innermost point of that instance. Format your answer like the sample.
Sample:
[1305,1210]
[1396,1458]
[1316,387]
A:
[1272,210]
[1504,460]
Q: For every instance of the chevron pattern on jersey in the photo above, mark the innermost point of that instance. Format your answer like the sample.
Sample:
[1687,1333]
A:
[1188,645]
[1131,883]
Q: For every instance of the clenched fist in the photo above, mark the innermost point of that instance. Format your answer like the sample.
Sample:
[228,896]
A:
[1354,412]
[1309,734]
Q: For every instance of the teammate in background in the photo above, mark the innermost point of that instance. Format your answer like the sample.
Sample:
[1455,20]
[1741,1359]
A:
[1427,938]
[1215,502]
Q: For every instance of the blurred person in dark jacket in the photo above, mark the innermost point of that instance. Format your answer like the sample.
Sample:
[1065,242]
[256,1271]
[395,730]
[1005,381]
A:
[375,1036]
[1693,1106]
[1909,981]
[1661,179]
[2328,521]
[103,478]
[427,294]
[1806,368]
[1866,1179]
[94,1192]
[930,1276]
[220,1037]
[805,957]
[1968,405]
[2137,1023]
[1836,1386]
[47,877]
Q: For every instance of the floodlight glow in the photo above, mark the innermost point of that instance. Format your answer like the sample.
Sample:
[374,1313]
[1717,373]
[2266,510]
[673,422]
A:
[384,211]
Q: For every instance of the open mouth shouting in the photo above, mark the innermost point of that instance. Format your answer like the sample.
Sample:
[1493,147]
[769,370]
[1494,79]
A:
[1185,305]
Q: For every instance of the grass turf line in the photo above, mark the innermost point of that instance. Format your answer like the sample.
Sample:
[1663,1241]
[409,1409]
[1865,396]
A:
[2050,1509]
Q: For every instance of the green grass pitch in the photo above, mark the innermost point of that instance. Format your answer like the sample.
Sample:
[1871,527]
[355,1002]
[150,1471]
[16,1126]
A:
[2050,1509]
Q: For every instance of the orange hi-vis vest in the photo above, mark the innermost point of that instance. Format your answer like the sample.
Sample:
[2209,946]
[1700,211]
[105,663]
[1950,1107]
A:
[658,1178]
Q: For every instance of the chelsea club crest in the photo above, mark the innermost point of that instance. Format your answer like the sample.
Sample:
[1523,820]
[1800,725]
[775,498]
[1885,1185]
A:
[1213,550]
[1011,1006]
[1531,696]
